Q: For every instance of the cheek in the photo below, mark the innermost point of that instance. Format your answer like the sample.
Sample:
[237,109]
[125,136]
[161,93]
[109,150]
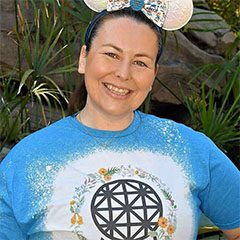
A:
[144,82]
[96,70]
[93,74]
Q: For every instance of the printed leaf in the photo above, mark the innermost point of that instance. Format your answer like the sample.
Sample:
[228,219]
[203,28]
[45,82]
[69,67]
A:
[152,234]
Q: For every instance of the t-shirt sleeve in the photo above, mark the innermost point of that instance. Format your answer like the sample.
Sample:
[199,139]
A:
[221,198]
[9,228]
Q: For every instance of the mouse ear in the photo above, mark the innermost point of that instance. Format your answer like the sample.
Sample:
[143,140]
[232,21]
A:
[168,14]
[96,5]
[178,14]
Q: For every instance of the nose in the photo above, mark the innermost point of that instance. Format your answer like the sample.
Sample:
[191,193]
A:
[123,70]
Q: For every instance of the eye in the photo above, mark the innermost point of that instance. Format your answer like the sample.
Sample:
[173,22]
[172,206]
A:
[140,63]
[112,55]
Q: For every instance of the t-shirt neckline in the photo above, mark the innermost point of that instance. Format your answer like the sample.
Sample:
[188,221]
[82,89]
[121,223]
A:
[134,125]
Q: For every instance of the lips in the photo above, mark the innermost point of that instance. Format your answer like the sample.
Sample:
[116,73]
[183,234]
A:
[117,90]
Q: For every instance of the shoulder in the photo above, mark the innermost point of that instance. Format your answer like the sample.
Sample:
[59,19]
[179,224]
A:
[201,149]
[170,127]
[42,141]
[46,134]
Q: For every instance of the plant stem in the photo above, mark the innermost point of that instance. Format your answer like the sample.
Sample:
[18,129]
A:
[23,104]
[18,42]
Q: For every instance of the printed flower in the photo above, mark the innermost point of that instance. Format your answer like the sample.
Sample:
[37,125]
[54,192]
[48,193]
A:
[72,202]
[102,171]
[80,219]
[162,222]
[107,177]
[136,172]
[73,219]
[141,173]
[76,218]
[170,229]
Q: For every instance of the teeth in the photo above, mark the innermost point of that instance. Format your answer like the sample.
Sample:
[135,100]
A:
[116,90]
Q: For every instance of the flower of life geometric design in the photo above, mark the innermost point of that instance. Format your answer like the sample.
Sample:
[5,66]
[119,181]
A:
[126,210]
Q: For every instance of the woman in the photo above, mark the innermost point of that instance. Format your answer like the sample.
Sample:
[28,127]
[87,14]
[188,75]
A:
[110,171]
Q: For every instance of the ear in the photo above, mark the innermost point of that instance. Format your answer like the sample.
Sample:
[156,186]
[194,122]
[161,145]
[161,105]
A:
[82,60]
[155,74]
[156,69]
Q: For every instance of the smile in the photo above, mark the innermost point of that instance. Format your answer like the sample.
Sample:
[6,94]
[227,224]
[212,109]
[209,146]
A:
[116,90]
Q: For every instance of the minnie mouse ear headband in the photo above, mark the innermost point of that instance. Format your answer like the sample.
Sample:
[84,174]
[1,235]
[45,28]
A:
[167,14]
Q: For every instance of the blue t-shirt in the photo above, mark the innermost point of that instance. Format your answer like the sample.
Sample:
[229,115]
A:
[150,181]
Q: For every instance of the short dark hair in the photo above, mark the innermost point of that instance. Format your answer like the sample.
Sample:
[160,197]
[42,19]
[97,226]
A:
[138,16]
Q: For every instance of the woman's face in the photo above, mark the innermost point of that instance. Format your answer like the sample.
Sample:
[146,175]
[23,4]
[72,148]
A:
[120,66]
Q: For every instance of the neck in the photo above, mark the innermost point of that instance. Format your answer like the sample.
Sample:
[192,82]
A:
[102,121]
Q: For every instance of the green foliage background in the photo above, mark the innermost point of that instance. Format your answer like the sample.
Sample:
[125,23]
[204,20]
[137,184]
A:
[229,10]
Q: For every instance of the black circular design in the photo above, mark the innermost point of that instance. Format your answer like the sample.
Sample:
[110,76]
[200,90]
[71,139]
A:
[126,209]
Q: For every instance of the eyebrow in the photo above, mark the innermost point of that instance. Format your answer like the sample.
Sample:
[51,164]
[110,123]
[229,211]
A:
[120,50]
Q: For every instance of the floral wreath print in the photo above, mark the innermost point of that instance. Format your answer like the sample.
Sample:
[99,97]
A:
[166,224]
